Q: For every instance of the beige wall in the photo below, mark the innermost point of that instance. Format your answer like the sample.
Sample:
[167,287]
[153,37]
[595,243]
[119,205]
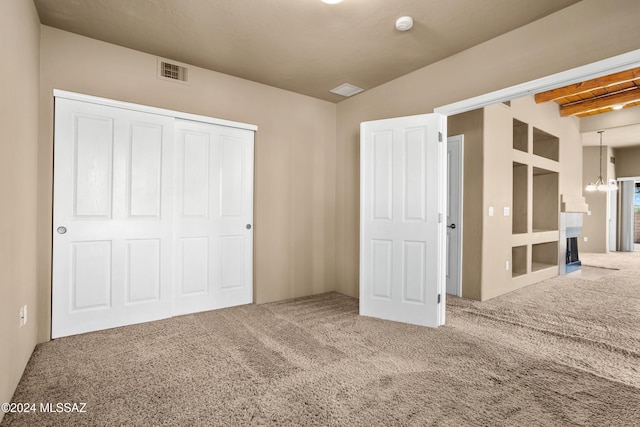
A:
[595,225]
[627,161]
[613,119]
[627,164]
[498,172]
[488,240]
[544,47]
[294,156]
[497,193]
[471,125]
[19,79]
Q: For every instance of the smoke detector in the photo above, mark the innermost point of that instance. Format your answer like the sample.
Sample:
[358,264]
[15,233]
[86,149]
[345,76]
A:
[404,23]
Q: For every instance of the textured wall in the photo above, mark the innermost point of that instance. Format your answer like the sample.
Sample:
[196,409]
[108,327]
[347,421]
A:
[19,79]
[471,125]
[628,160]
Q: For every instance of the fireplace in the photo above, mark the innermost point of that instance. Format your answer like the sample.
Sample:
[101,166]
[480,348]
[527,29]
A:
[572,259]
[570,229]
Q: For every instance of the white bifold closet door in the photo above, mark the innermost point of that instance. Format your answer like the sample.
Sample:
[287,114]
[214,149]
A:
[214,211]
[152,217]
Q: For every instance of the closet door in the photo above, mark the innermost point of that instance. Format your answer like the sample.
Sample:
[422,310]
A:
[112,217]
[213,217]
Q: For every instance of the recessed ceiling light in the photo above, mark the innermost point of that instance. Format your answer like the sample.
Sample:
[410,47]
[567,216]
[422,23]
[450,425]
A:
[331,1]
[346,89]
[617,107]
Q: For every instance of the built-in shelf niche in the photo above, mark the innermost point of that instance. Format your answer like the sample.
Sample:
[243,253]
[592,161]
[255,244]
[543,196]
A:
[545,200]
[545,145]
[544,255]
[518,261]
[520,136]
[520,205]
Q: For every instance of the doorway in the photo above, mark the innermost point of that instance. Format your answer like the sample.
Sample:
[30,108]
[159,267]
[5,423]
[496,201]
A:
[455,161]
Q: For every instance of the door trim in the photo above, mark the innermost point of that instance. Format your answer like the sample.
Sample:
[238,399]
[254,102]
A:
[460,221]
[57,93]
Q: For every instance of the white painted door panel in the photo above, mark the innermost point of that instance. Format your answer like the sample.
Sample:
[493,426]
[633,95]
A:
[112,194]
[401,238]
[213,217]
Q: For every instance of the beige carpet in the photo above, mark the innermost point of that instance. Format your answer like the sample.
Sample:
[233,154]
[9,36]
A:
[565,352]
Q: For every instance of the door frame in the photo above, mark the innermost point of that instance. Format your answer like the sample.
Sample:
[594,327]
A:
[619,231]
[459,139]
[612,218]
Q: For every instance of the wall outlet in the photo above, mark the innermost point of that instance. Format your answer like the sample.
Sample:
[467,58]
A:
[506,265]
[506,211]
[23,315]
[490,210]
[585,238]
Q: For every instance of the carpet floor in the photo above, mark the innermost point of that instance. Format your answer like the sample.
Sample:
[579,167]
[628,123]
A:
[564,352]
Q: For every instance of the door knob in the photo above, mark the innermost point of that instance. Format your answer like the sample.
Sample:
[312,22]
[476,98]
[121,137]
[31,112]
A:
[452,226]
[61,230]
[248,226]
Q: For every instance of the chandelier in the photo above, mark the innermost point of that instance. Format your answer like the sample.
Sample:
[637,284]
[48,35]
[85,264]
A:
[600,185]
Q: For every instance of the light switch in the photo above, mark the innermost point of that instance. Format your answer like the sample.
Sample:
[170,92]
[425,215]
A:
[507,211]
[490,210]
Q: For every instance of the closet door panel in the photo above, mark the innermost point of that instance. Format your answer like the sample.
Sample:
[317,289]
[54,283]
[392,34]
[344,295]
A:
[112,219]
[225,193]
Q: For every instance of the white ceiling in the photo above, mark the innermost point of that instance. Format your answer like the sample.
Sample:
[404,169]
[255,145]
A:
[305,46]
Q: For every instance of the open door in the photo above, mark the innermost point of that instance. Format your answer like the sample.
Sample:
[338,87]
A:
[402,212]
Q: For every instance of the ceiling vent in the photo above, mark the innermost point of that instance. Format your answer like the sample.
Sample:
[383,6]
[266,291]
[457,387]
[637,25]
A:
[172,71]
[346,89]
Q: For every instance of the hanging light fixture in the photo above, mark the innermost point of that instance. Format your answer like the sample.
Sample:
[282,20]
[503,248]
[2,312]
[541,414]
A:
[600,185]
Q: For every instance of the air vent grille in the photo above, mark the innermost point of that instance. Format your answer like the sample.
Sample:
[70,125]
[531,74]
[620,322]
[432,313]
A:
[346,89]
[173,71]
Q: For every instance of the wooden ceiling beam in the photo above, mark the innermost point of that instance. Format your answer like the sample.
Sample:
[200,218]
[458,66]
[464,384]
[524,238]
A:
[632,95]
[604,81]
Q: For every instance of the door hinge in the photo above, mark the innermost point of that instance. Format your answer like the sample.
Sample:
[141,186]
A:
[439,136]
[438,298]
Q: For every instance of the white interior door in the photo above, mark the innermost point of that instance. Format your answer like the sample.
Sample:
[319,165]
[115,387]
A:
[402,234]
[112,243]
[455,146]
[213,217]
